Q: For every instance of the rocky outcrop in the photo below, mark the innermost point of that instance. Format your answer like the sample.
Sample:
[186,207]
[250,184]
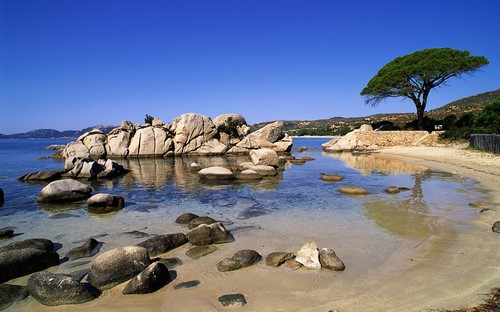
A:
[64,191]
[191,130]
[190,133]
[88,168]
[365,138]
[25,257]
[270,136]
[117,266]
[57,289]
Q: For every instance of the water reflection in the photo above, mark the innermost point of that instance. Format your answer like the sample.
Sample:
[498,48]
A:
[368,164]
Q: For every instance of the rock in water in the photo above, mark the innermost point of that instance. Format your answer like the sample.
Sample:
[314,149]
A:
[277,258]
[185,218]
[216,173]
[62,191]
[85,250]
[352,190]
[496,227]
[6,233]
[57,289]
[25,257]
[230,299]
[392,190]
[241,259]
[200,251]
[188,284]
[103,203]
[308,256]
[10,294]
[329,260]
[162,243]
[264,156]
[154,277]
[332,177]
[117,265]
[204,234]
[194,223]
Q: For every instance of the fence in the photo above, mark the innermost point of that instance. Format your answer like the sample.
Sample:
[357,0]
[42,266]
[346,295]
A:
[486,142]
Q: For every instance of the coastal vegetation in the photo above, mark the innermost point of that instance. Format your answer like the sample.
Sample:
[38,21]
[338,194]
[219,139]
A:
[413,76]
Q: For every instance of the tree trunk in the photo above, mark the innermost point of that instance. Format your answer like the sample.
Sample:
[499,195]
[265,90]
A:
[420,118]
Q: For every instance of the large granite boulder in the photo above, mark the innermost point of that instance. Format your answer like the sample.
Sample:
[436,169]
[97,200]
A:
[163,243]
[73,151]
[95,141]
[154,277]
[104,203]
[150,141]
[207,234]
[111,169]
[231,128]
[241,259]
[87,168]
[270,136]
[57,289]
[11,294]
[119,138]
[264,156]
[25,257]
[63,191]
[117,266]
[191,131]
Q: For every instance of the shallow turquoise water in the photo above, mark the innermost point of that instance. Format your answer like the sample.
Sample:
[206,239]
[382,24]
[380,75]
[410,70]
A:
[156,191]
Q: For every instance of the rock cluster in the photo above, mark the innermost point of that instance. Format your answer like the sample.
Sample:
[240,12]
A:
[190,133]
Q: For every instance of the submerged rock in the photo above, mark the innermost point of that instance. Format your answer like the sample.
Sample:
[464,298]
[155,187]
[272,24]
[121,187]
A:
[231,299]
[332,177]
[188,284]
[496,227]
[392,190]
[104,203]
[352,190]
[200,251]
[11,294]
[89,248]
[185,218]
[57,289]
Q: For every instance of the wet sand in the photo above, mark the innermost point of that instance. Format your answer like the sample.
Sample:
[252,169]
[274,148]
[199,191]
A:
[452,264]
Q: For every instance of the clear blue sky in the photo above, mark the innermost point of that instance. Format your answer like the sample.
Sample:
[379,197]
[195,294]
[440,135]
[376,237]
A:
[77,63]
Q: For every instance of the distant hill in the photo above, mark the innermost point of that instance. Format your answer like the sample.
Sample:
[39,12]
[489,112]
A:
[54,134]
[337,125]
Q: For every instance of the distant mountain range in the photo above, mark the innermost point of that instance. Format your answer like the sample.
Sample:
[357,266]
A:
[54,134]
[457,108]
